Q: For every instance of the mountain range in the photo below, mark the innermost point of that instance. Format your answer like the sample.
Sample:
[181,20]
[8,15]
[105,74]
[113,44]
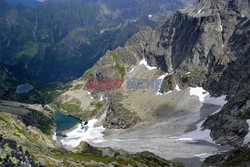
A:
[199,116]
[59,40]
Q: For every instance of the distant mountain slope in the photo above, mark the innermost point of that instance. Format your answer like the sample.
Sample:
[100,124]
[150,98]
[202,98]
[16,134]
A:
[29,3]
[58,41]
[3,5]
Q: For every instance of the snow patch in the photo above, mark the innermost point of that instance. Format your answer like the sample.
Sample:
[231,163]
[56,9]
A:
[90,95]
[124,140]
[199,133]
[199,11]
[76,136]
[54,138]
[132,69]
[177,88]
[221,28]
[144,62]
[185,139]
[162,78]
[161,94]
[117,140]
[200,92]
[205,97]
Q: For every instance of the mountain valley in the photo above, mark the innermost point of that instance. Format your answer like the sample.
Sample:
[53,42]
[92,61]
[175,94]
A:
[199,56]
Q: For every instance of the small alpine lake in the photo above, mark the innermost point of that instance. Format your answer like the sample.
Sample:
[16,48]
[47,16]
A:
[24,88]
[65,122]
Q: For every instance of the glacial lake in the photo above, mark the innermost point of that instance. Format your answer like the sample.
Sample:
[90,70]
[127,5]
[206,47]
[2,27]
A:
[64,122]
[25,88]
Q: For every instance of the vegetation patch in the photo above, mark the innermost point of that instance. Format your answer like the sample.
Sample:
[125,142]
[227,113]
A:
[120,69]
[78,87]
[98,105]
[3,120]
[30,49]
[71,107]
[38,120]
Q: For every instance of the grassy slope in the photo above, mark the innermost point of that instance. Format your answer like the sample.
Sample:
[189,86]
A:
[43,150]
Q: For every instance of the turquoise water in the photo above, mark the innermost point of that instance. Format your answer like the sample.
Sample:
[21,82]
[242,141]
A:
[64,122]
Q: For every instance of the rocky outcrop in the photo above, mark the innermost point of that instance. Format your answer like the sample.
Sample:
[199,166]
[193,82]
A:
[39,120]
[115,64]
[236,157]
[86,148]
[14,155]
[118,117]
[152,160]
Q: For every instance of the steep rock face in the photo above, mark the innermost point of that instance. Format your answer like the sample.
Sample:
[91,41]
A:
[229,126]
[194,37]
[238,71]
[235,83]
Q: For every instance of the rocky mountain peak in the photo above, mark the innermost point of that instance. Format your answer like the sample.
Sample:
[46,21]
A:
[241,7]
